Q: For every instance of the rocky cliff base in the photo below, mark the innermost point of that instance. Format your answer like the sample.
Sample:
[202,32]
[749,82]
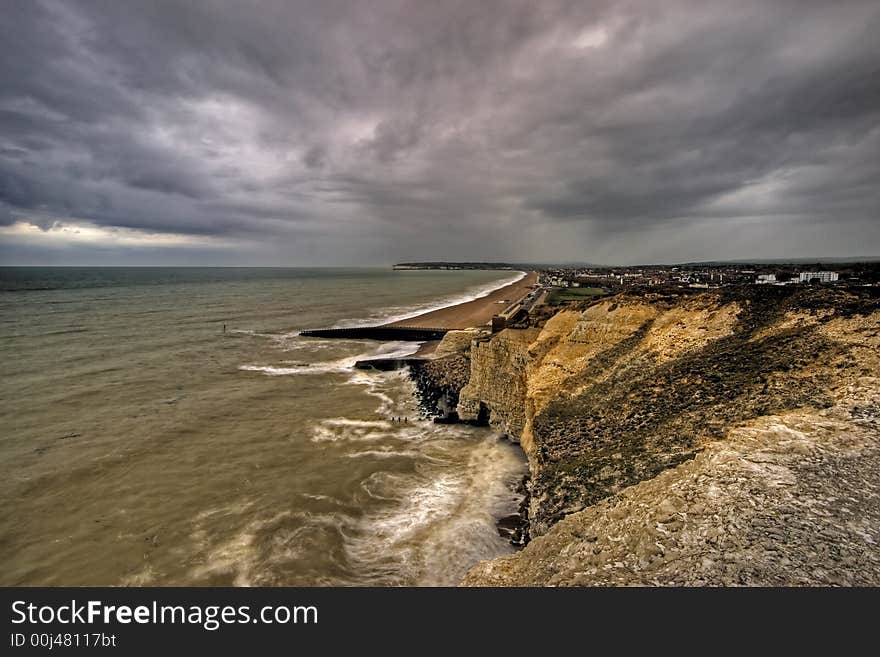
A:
[440,376]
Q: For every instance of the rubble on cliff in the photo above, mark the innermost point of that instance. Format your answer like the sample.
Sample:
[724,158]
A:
[784,500]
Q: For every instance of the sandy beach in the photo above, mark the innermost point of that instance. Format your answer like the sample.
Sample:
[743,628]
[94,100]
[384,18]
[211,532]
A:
[473,313]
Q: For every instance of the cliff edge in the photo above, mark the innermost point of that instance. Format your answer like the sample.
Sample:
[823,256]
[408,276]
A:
[724,437]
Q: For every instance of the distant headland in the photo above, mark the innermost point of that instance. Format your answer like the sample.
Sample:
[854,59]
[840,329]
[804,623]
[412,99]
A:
[516,266]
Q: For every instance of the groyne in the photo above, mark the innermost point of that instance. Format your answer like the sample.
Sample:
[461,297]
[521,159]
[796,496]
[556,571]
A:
[391,333]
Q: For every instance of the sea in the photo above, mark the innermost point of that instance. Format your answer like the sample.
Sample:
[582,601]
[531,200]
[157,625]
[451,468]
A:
[169,426]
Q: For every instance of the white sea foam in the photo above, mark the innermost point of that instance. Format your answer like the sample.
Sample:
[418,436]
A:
[386,402]
[236,555]
[397,349]
[271,370]
[293,341]
[440,521]
[381,485]
[347,429]
[322,498]
[380,384]
[383,453]
[250,562]
[348,422]
[423,505]
[339,365]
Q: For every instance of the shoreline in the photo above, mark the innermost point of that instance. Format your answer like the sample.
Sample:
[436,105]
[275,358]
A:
[472,294]
[473,313]
[470,314]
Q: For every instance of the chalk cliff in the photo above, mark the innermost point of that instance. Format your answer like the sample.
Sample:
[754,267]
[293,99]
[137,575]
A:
[620,403]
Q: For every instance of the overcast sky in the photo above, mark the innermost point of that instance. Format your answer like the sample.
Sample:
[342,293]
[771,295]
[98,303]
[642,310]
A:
[322,132]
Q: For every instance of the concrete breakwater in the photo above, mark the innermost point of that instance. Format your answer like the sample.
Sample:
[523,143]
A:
[391,333]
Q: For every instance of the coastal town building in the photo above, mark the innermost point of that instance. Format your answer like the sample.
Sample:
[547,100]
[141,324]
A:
[821,276]
[712,275]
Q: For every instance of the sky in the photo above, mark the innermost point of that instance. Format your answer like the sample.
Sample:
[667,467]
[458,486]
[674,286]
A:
[288,133]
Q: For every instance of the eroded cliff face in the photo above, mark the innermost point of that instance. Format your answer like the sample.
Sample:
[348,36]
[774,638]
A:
[440,376]
[498,382]
[606,396]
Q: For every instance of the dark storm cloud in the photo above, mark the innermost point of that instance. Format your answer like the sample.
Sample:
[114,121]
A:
[370,132]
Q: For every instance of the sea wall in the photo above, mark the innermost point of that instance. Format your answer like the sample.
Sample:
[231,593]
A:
[403,333]
[608,395]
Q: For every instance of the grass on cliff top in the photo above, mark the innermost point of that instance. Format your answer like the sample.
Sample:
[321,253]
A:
[561,295]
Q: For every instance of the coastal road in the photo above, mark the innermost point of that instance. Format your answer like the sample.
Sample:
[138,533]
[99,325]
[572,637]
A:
[534,298]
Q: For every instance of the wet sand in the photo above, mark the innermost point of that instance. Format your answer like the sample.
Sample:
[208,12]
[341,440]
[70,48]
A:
[473,313]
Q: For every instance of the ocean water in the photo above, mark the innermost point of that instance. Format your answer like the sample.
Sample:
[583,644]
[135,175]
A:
[143,445]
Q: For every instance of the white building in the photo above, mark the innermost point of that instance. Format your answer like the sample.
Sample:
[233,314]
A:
[766,278]
[823,276]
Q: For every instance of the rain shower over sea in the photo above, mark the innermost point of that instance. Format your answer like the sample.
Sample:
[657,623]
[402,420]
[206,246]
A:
[143,445]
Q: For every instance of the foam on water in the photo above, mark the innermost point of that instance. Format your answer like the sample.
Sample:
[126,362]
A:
[440,520]
[335,429]
[348,422]
[383,454]
[338,365]
[394,390]
[251,560]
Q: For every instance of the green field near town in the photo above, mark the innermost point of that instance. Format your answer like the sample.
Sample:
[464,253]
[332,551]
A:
[563,294]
